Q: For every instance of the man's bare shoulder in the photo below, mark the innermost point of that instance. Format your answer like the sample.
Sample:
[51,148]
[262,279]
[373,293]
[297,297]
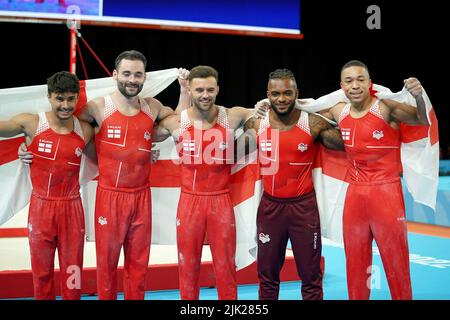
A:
[26,119]
[333,112]
[237,110]
[387,105]
[237,116]
[28,116]
[172,117]
[317,121]
[338,106]
[85,125]
[170,121]
[96,102]
[155,106]
[93,110]
[95,106]
[26,123]
[153,102]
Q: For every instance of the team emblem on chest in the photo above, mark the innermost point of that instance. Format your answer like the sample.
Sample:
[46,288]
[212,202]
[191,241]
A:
[45,146]
[378,134]
[189,145]
[345,133]
[147,136]
[266,145]
[113,132]
[223,145]
[78,152]
[302,147]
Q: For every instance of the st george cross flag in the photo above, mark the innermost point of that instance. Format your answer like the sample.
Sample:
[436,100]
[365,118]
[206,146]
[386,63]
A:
[420,159]
[15,185]
[419,156]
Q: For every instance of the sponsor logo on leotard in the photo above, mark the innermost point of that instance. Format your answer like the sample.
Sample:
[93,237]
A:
[78,152]
[102,221]
[113,132]
[147,136]
[264,238]
[378,134]
[45,146]
[302,147]
[178,222]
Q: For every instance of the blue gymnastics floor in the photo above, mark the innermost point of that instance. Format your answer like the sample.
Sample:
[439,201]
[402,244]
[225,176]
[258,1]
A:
[430,275]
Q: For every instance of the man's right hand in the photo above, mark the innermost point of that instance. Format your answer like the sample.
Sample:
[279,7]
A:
[183,78]
[155,154]
[24,155]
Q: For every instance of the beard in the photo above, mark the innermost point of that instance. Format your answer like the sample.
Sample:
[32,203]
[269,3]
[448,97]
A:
[202,107]
[284,113]
[122,86]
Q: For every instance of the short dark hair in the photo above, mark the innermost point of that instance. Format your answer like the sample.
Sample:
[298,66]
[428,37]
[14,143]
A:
[203,72]
[62,82]
[282,74]
[130,55]
[354,63]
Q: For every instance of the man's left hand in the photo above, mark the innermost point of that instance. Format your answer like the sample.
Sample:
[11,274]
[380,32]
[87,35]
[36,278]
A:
[414,87]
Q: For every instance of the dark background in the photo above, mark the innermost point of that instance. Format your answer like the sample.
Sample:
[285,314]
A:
[412,41]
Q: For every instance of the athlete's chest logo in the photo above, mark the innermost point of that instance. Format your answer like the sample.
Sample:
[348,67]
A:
[302,147]
[78,152]
[345,133]
[266,145]
[189,145]
[45,146]
[378,134]
[114,132]
[147,136]
[223,146]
